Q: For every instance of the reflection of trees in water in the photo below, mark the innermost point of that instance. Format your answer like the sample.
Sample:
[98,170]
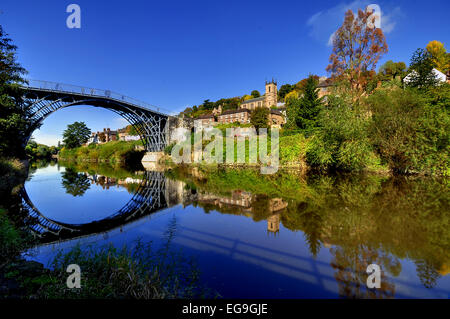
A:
[427,273]
[403,217]
[75,183]
[351,264]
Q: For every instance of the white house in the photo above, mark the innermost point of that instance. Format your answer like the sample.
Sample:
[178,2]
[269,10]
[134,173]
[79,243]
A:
[441,77]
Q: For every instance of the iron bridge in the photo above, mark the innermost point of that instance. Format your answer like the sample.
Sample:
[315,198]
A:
[44,98]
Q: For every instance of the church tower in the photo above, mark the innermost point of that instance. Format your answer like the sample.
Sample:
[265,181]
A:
[271,94]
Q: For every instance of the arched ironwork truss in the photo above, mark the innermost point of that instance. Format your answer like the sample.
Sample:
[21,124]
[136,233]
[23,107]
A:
[44,98]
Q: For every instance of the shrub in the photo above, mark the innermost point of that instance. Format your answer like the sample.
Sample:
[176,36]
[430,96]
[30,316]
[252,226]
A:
[410,129]
[11,240]
[292,148]
[341,141]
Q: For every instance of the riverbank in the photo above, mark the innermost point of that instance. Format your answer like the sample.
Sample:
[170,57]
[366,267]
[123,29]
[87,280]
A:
[13,172]
[130,272]
[111,152]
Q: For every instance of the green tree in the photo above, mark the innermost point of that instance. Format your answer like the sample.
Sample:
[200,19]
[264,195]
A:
[392,70]
[76,134]
[421,70]
[293,104]
[14,117]
[284,89]
[255,94]
[260,117]
[208,105]
[310,105]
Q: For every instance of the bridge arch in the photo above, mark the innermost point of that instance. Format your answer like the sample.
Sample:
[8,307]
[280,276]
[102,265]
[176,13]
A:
[43,98]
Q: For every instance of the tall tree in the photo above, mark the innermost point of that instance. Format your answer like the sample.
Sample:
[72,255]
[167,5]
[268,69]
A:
[260,117]
[357,47]
[439,55]
[310,105]
[421,70]
[76,134]
[14,123]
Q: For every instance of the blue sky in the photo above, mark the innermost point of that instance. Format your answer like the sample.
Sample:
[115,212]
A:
[178,53]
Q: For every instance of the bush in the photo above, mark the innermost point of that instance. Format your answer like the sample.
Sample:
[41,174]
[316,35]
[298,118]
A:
[12,242]
[410,129]
[341,141]
[292,149]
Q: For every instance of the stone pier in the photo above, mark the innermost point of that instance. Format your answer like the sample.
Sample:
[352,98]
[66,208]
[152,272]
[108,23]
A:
[151,160]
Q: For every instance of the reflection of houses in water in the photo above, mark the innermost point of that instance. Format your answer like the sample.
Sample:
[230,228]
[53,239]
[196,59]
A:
[273,224]
[243,201]
[238,198]
[106,182]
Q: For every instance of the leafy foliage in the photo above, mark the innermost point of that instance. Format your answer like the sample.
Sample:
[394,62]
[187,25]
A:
[410,129]
[341,141]
[259,118]
[439,55]
[14,124]
[421,70]
[76,135]
[255,94]
[357,48]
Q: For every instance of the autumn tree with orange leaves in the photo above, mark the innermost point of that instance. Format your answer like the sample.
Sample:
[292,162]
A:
[357,47]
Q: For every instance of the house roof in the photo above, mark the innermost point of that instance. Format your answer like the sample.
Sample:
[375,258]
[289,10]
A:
[256,99]
[205,116]
[325,84]
[235,111]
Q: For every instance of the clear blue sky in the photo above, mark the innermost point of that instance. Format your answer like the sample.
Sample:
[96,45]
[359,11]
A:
[178,53]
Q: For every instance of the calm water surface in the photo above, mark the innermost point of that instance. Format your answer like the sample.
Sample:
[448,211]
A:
[281,236]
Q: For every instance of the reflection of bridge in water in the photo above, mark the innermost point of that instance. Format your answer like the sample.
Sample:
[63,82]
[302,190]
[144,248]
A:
[154,193]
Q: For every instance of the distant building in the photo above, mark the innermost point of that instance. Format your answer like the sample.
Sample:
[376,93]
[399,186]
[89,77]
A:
[231,116]
[441,77]
[324,86]
[125,136]
[102,137]
[268,100]
[276,118]
[206,120]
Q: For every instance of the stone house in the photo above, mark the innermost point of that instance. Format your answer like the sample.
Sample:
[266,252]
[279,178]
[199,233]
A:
[231,116]
[324,87]
[103,137]
[205,120]
[276,118]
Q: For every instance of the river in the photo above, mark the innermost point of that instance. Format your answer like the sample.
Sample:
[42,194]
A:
[254,236]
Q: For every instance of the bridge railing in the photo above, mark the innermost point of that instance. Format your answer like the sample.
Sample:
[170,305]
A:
[75,89]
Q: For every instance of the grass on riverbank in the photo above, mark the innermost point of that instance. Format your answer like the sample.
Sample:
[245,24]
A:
[13,172]
[114,152]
